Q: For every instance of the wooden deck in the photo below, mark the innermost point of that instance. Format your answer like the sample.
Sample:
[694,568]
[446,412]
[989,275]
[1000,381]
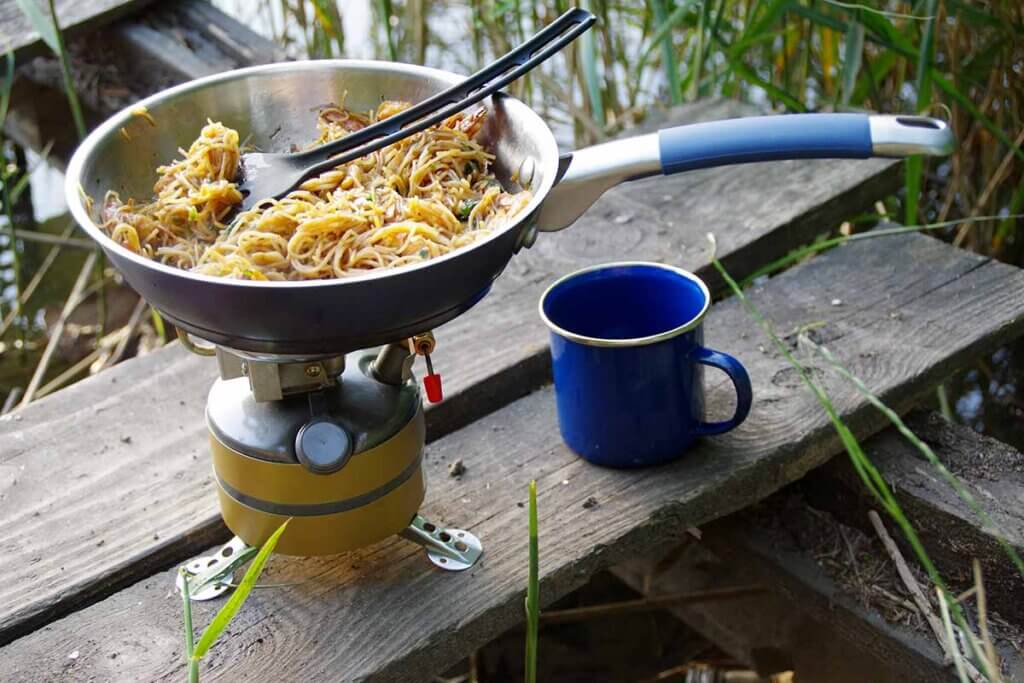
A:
[106,486]
[494,354]
[900,329]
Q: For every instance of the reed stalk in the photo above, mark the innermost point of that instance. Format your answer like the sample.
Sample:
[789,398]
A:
[74,298]
[872,479]
[186,598]
[914,166]
[36,280]
[951,479]
[65,70]
[588,61]
[668,53]
[212,633]
[532,592]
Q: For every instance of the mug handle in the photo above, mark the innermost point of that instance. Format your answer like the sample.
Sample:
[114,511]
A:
[740,380]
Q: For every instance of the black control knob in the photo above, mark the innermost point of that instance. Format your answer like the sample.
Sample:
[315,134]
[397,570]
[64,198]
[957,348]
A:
[322,446]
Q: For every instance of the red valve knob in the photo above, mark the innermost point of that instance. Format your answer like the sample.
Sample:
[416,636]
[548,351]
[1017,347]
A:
[432,383]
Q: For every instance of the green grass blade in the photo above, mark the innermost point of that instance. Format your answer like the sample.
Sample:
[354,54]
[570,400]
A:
[193,665]
[65,68]
[750,75]
[668,53]
[1008,225]
[973,12]
[852,52]
[158,324]
[869,474]
[384,11]
[952,645]
[5,87]
[656,39]
[39,22]
[238,598]
[532,593]
[822,244]
[926,450]
[770,13]
[914,167]
[944,407]
[588,56]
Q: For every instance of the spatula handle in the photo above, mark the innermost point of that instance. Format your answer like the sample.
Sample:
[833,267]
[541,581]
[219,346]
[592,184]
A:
[436,108]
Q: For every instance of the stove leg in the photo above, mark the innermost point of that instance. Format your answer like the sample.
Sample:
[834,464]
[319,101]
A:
[450,549]
[210,577]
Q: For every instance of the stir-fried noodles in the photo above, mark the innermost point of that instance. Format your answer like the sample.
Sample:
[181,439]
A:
[414,200]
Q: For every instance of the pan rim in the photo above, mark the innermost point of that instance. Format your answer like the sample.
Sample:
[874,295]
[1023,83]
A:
[76,207]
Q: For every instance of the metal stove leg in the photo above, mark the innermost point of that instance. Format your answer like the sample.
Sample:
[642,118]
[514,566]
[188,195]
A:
[449,549]
[210,577]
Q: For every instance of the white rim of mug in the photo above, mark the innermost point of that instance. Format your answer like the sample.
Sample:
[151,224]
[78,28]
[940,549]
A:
[634,341]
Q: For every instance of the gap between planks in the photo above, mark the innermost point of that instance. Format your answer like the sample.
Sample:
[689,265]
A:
[382,614]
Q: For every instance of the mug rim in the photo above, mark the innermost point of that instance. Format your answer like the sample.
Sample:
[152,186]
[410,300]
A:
[632,341]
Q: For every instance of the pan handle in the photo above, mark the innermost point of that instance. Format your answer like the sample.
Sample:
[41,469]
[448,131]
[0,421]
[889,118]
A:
[585,174]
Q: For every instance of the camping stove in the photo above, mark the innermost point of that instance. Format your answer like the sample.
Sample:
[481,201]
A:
[332,443]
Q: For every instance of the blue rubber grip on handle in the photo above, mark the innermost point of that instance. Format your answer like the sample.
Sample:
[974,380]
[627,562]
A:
[764,138]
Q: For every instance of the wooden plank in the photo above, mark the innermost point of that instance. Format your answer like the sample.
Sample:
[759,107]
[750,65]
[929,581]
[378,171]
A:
[76,16]
[801,623]
[492,355]
[990,470]
[129,59]
[189,39]
[786,543]
[392,618]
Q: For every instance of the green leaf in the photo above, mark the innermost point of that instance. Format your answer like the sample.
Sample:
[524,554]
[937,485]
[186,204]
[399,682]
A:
[532,592]
[465,208]
[852,53]
[588,56]
[238,598]
[39,22]
[5,87]
[158,324]
[1008,224]
[914,167]
[750,75]
[65,68]
[668,54]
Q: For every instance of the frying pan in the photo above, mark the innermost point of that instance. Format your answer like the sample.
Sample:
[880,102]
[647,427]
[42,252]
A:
[272,107]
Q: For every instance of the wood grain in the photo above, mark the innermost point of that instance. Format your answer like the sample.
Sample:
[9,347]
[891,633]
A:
[801,623]
[382,614]
[991,471]
[71,464]
[74,16]
[130,58]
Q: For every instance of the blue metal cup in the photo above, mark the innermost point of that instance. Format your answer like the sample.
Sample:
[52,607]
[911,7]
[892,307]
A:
[628,359]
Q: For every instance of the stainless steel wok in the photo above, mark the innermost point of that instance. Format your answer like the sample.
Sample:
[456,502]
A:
[273,107]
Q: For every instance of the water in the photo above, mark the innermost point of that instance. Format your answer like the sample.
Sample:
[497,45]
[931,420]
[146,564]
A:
[989,396]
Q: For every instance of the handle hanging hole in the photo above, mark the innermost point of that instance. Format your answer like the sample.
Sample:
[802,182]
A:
[918,122]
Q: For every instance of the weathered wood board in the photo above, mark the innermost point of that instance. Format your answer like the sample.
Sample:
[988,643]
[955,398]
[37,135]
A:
[784,543]
[991,471]
[834,634]
[803,622]
[67,454]
[383,614]
[128,59]
[74,16]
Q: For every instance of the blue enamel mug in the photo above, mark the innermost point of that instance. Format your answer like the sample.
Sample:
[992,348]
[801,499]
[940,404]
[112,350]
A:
[628,357]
